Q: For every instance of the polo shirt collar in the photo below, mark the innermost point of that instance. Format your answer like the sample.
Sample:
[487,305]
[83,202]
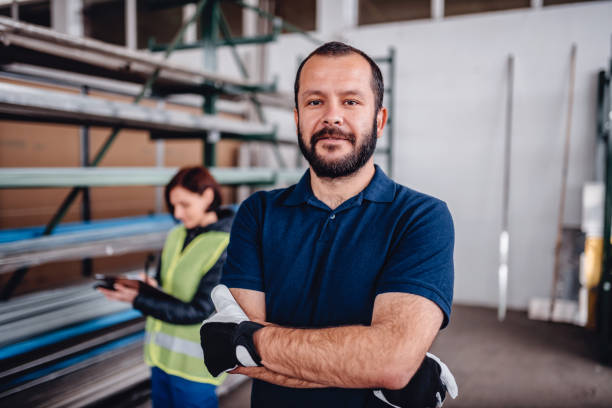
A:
[302,192]
[381,189]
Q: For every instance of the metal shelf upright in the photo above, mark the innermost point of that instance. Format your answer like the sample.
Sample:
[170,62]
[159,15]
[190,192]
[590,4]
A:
[604,303]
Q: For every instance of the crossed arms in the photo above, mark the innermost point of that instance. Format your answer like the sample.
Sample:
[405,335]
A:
[385,354]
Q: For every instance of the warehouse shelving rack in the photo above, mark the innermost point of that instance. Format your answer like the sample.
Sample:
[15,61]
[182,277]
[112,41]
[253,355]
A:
[25,46]
[39,55]
[37,46]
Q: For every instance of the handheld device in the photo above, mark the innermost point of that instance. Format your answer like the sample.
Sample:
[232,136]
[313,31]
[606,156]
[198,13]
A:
[108,282]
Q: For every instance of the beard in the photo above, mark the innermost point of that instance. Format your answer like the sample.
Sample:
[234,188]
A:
[346,165]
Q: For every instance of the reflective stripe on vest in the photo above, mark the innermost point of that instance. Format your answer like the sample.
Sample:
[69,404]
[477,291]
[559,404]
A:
[172,347]
[175,344]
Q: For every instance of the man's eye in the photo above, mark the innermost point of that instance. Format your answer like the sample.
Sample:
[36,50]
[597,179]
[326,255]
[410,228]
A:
[351,102]
[314,102]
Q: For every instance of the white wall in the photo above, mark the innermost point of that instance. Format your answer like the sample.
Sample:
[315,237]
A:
[449,127]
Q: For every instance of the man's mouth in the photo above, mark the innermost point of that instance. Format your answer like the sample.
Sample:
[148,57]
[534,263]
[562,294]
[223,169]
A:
[331,138]
[331,134]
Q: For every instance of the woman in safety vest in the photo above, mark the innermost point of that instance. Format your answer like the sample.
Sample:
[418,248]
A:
[190,266]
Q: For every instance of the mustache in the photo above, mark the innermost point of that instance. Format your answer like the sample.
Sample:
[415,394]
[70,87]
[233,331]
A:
[331,132]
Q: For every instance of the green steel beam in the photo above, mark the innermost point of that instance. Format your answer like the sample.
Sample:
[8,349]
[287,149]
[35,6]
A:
[58,177]
[257,39]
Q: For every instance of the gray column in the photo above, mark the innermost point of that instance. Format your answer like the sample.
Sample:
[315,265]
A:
[131,24]
[191,34]
[537,4]
[334,17]
[67,16]
[15,10]
[437,9]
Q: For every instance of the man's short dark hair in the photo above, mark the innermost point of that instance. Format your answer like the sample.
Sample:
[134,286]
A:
[338,49]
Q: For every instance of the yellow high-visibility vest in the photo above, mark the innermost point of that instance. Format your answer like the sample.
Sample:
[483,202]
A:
[175,348]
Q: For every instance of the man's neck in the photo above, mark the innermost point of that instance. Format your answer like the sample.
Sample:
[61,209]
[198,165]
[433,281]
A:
[334,191]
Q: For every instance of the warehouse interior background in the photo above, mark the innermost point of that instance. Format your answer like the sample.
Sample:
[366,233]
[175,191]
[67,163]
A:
[484,95]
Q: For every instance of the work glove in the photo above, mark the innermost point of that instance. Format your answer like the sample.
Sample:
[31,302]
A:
[426,389]
[227,335]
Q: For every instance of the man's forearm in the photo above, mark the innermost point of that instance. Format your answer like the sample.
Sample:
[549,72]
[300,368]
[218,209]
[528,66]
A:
[385,354]
[349,356]
[262,373]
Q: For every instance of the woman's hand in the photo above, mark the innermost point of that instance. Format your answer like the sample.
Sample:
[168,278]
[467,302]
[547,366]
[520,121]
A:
[148,280]
[121,293]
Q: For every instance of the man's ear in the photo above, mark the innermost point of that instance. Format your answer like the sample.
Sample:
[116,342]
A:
[381,120]
[296,117]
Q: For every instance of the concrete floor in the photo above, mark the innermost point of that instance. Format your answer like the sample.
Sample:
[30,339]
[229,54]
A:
[518,363]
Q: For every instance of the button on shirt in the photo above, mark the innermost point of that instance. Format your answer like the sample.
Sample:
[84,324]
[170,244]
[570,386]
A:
[320,267]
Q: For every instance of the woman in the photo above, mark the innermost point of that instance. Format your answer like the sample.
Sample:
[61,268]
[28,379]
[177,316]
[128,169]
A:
[190,266]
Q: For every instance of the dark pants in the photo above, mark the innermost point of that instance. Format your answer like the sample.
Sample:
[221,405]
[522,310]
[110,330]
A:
[170,391]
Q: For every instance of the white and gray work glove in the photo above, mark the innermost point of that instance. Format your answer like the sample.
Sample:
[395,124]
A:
[426,389]
[227,335]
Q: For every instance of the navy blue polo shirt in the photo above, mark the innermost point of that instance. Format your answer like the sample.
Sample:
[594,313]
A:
[320,267]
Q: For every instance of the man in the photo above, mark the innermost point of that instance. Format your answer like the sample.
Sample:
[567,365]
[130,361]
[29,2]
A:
[349,274]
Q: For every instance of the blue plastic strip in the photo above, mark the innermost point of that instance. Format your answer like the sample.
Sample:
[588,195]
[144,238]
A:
[63,334]
[18,234]
[74,360]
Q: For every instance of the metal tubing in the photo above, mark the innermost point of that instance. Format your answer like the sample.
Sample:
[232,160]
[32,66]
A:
[53,177]
[80,48]
[504,237]
[564,171]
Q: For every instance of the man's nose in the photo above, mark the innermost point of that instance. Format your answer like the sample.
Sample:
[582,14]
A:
[333,115]
[177,213]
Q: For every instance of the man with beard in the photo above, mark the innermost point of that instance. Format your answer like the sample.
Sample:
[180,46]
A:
[346,277]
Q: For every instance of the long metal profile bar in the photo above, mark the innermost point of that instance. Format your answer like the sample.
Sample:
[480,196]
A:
[22,329]
[77,251]
[52,177]
[42,332]
[27,102]
[38,300]
[100,354]
[72,350]
[116,57]
[82,237]
[77,299]
[37,75]
[564,173]
[504,237]
[45,75]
